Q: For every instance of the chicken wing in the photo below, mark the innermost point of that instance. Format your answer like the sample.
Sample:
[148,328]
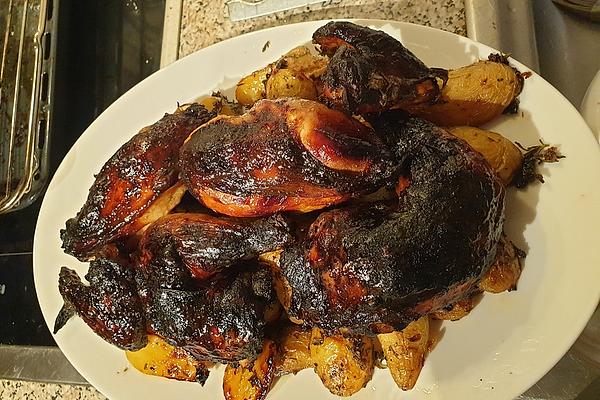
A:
[141,174]
[110,304]
[180,251]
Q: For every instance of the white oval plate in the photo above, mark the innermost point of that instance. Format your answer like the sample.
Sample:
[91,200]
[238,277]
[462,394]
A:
[504,346]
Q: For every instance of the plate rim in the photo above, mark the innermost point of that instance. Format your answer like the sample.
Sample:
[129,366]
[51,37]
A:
[584,316]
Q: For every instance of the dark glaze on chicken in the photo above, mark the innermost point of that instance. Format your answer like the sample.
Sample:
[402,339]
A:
[370,71]
[201,285]
[141,173]
[224,321]
[283,155]
[376,268]
[109,304]
[179,245]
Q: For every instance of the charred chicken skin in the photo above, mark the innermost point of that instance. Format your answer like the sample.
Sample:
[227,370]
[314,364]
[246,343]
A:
[224,321]
[201,286]
[194,284]
[376,269]
[179,245]
[142,173]
[109,305]
[283,155]
[370,71]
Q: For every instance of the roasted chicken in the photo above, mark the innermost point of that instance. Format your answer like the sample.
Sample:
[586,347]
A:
[374,269]
[370,71]
[196,286]
[180,246]
[143,173]
[283,155]
[223,321]
[109,304]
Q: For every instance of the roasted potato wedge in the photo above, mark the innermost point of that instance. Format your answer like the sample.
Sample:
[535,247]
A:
[473,95]
[344,364]
[294,351]
[502,154]
[290,83]
[161,359]
[506,269]
[457,310]
[405,352]
[251,380]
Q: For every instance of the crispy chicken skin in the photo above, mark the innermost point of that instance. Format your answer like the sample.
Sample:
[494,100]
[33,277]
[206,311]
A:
[223,321]
[376,268]
[283,155]
[109,305]
[130,182]
[203,245]
[201,286]
[196,283]
[369,71]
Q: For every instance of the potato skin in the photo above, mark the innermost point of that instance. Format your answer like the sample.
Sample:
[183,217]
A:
[223,106]
[161,359]
[344,364]
[251,380]
[506,269]
[405,352]
[291,76]
[456,311]
[294,351]
[290,83]
[252,88]
[301,59]
[503,156]
[473,95]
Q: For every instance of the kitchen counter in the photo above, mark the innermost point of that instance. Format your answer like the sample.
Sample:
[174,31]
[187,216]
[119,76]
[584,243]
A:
[200,23]
[18,390]
[204,22]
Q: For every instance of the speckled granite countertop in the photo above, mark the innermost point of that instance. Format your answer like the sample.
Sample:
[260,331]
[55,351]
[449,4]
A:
[205,22]
[17,390]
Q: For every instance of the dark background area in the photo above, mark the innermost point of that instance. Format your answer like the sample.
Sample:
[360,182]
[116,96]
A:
[103,49]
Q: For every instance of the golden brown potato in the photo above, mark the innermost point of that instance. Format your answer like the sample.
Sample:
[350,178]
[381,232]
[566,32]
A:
[405,352]
[291,76]
[473,95]
[457,310]
[290,83]
[506,269]
[252,88]
[161,359]
[251,380]
[294,351]
[344,364]
[302,60]
[224,107]
[504,157]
